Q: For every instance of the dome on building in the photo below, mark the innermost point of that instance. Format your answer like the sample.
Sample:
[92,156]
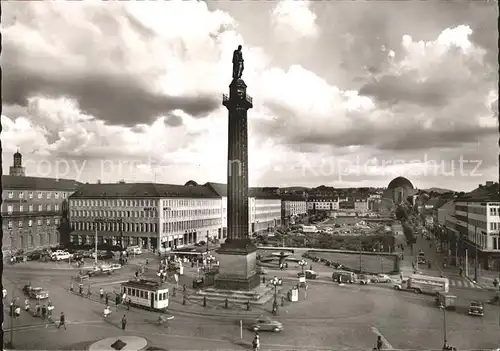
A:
[400,182]
[191,183]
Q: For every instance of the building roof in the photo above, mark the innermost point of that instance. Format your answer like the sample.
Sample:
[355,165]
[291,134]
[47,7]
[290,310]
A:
[486,193]
[219,188]
[292,197]
[400,182]
[142,190]
[259,193]
[35,183]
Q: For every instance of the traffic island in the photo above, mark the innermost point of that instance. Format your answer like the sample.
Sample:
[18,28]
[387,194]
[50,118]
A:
[121,343]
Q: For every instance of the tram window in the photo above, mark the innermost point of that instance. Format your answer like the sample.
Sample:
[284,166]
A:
[142,294]
[156,296]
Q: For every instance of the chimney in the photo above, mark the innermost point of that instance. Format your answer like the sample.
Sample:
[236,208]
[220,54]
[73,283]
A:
[480,186]
[489,183]
[98,181]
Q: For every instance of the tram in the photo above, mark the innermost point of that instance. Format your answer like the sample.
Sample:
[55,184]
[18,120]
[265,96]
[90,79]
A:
[146,294]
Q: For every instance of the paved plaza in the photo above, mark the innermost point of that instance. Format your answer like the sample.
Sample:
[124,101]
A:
[332,316]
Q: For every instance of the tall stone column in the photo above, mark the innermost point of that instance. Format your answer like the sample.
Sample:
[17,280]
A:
[238,270]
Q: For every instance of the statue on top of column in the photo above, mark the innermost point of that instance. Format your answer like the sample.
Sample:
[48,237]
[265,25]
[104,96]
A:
[238,63]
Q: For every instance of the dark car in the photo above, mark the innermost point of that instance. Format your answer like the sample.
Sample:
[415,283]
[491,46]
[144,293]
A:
[34,256]
[476,308]
[105,256]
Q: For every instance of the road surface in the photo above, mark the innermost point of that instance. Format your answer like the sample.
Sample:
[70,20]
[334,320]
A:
[332,317]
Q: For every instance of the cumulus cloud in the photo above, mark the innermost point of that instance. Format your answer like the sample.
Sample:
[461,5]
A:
[293,20]
[138,83]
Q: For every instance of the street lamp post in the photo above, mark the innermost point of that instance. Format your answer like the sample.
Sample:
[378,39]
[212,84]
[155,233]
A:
[275,282]
[445,339]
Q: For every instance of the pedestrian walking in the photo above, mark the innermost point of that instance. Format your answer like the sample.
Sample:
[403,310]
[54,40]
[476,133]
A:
[107,299]
[17,311]
[101,293]
[80,289]
[50,308]
[124,322]
[117,299]
[129,303]
[27,305]
[44,311]
[62,321]
[89,292]
[379,343]
[38,309]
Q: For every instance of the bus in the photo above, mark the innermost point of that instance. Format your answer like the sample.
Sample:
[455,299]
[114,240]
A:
[428,284]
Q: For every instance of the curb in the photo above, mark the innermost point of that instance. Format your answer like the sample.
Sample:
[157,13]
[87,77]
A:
[478,285]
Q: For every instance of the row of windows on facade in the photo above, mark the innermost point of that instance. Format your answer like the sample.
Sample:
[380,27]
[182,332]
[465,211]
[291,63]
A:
[118,214]
[20,224]
[113,202]
[48,195]
[475,222]
[110,227]
[479,239]
[189,225]
[152,214]
[148,202]
[48,207]
[494,211]
[496,241]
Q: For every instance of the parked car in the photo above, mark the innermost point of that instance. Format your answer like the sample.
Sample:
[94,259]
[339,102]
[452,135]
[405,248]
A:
[309,274]
[34,256]
[476,308]
[60,255]
[266,324]
[363,279]
[105,256]
[381,278]
[115,266]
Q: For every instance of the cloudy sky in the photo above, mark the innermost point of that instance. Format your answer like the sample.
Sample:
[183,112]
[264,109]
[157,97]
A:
[345,93]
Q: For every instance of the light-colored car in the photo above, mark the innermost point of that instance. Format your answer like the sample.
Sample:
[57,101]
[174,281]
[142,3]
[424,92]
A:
[61,255]
[382,278]
[38,293]
[115,266]
[363,279]
[266,324]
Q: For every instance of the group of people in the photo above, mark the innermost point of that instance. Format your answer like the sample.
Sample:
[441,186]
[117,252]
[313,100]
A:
[42,311]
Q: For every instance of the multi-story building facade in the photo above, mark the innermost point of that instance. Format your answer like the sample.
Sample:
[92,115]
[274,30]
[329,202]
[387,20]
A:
[33,209]
[322,204]
[477,225]
[361,205]
[264,209]
[265,213]
[160,216]
[291,208]
[145,214]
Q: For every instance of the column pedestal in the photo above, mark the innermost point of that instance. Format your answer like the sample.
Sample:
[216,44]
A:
[238,266]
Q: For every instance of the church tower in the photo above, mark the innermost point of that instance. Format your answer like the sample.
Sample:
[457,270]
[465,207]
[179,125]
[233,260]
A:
[17,169]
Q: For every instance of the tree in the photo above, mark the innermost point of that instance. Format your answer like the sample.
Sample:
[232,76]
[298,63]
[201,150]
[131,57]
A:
[401,213]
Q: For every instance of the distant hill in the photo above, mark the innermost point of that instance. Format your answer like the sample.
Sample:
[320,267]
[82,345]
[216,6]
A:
[295,188]
[439,190]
